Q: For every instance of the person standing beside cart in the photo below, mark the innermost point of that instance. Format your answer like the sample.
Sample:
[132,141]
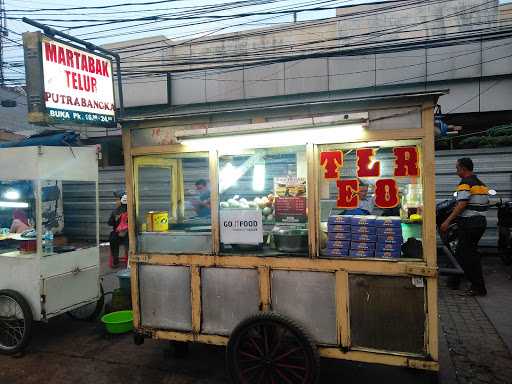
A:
[118,221]
[470,211]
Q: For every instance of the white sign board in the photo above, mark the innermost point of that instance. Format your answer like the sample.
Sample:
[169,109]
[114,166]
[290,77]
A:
[241,226]
[78,85]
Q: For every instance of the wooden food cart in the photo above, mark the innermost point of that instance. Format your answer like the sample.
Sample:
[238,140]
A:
[308,232]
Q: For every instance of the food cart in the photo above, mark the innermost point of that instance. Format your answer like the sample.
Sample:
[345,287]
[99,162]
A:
[47,268]
[307,232]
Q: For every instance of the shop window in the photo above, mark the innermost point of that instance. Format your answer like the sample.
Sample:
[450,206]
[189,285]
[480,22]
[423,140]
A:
[371,202]
[172,203]
[263,202]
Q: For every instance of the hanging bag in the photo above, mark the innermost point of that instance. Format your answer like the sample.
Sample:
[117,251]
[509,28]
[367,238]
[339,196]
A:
[122,227]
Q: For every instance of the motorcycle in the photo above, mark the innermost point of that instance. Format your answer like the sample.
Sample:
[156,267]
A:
[449,238]
[443,210]
[504,227]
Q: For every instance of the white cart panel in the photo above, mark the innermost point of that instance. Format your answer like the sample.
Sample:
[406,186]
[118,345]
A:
[20,273]
[67,291]
[61,263]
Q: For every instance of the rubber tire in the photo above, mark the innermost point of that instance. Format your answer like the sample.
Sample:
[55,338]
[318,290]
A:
[94,315]
[29,320]
[301,333]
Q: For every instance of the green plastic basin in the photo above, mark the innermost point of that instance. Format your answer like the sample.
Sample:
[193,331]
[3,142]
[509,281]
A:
[118,322]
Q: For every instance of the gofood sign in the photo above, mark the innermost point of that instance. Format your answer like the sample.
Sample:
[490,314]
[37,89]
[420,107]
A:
[74,85]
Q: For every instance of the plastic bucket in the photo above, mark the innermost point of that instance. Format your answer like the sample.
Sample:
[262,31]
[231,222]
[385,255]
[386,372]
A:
[124,281]
[118,322]
[157,221]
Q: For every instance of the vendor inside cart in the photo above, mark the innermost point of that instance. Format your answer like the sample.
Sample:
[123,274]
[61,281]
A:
[202,203]
[366,203]
[16,217]
[20,222]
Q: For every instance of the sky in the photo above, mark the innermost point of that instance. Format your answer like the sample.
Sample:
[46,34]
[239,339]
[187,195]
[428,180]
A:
[69,21]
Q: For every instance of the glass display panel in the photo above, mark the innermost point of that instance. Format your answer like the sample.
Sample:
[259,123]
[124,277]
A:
[371,202]
[263,202]
[172,203]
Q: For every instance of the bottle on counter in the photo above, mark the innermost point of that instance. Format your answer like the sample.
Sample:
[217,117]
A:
[48,242]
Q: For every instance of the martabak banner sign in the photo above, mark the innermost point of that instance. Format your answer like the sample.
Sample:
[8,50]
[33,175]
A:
[74,86]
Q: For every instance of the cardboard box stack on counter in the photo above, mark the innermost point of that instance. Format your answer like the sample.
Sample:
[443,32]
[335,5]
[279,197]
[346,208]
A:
[389,237]
[338,235]
[364,236]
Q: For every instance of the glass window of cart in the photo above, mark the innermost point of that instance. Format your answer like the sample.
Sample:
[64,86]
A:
[172,203]
[17,218]
[69,216]
[263,202]
[371,201]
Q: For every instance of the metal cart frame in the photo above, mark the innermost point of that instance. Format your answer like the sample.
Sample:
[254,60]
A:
[265,269]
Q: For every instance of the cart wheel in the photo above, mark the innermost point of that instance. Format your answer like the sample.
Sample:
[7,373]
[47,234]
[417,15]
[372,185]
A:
[89,312]
[15,322]
[270,348]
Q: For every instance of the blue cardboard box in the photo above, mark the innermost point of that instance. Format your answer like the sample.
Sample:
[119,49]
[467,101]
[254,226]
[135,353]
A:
[340,236]
[387,254]
[362,229]
[343,244]
[338,228]
[388,221]
[364,220]
[364,237]
[340,219]
[392,247]
[362,253]
[389,239]
[337,252]
[394,231]
[362,246]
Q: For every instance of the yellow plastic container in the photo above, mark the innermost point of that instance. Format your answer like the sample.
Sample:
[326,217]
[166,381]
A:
[157,221]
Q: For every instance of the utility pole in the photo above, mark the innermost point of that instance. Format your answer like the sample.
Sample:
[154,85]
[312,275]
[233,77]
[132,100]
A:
[3,32]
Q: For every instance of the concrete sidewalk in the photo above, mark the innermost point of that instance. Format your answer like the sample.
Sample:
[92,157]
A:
[476,333]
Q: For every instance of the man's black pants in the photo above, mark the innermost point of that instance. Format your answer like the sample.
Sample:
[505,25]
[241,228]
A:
[115,242]
[469,233]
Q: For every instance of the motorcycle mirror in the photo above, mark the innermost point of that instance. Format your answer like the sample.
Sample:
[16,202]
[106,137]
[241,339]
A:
[492,192]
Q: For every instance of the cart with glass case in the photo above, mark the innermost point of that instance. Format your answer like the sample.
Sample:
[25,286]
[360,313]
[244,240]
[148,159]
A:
[49,250]
[289,239]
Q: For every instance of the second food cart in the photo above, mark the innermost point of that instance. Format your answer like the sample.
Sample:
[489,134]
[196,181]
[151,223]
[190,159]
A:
[308,232]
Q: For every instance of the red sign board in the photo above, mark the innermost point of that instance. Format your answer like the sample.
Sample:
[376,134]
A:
[290,209]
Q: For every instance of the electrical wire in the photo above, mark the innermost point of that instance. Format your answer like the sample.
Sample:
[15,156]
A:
[389,46]
[255,53]
[474,97]
[294,26]
[370,34]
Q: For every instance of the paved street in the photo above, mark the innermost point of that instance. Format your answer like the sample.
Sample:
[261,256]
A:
[476,334]
[474,339]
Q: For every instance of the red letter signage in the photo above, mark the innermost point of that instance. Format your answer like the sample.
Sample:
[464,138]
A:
[386,193]
[331,161]
[347,194]
[406,161]
[366,165]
